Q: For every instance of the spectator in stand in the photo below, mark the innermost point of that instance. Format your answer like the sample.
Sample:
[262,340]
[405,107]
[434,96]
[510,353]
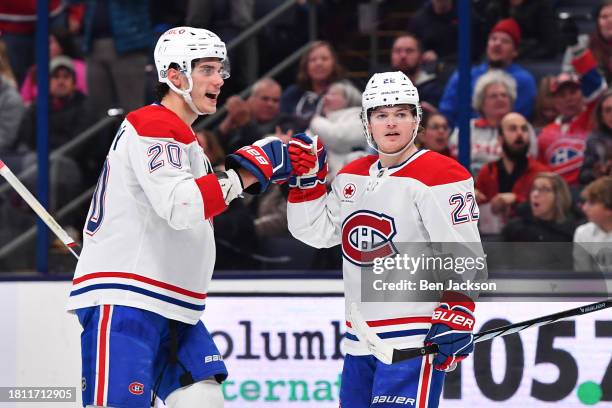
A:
[593,240]
[436,24]
[17,26]
[117,39]
[318,69]
[407,56]
[250,120]
[547,217]
[493,97]
[60,43]
[561,144]
[435,133]
[536,19]
[505,183]
[11,106]
[598,153]
[600,40]
[502,50]
[6,71]
[68,116]
[339,126]
[545,110]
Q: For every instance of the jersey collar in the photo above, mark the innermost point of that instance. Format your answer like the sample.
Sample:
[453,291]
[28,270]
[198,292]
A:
[377,167]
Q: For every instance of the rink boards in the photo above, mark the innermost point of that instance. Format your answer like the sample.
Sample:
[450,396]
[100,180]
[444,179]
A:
[282,343]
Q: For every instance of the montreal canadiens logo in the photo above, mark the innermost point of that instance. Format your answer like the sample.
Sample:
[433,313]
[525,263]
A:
[349,190]
[136,388]
[367,235]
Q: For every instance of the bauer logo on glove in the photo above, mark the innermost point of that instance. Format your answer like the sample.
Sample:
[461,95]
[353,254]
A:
[267,159]
[452,323]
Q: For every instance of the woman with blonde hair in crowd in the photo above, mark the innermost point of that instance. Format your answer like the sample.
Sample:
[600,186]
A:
[494,96]
[318,69]
[547,217]
[339,126]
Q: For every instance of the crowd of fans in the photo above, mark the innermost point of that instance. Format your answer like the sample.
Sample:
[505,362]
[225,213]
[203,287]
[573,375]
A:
[541,143]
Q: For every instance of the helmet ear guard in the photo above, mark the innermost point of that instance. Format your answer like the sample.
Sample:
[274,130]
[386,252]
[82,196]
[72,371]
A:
[389,89]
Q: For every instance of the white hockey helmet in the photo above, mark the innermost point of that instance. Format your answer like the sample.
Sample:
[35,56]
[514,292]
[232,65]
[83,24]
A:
[183,45]
[389,89]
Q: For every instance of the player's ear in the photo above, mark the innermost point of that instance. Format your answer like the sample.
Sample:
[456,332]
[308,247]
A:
[176,77]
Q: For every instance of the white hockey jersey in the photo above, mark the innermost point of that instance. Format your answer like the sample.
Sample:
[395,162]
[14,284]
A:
[148,238]
[429,198]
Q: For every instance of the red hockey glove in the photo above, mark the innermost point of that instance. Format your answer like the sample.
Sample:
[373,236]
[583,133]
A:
[308,160]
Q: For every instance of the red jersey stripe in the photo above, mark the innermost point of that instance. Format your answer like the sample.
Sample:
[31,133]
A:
[144,279]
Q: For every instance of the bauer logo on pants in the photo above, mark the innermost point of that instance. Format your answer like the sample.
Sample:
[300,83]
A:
[367,235]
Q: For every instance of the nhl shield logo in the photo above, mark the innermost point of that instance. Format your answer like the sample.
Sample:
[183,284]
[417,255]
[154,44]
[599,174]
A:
[136,388]
[367,235]
[349,190]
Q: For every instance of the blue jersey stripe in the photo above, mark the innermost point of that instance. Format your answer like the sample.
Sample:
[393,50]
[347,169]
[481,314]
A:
[402,333]
[393,334]
[351,336]
[142,291]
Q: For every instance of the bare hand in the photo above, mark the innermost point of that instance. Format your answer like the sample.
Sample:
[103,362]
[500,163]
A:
[501,203]
[479,196]
[238,111]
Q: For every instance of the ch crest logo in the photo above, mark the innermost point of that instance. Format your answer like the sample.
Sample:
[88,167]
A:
[83,384]
[349,190]
[136,388]
[367,235]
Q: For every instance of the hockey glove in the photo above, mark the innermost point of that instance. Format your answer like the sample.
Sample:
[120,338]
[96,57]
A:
[452,324]
[267,159]
[308,160]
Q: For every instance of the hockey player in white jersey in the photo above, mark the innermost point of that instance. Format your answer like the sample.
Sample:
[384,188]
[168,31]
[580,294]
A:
[141,282]
[400,195]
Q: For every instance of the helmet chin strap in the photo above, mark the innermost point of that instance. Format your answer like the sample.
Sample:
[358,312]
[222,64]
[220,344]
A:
[186,93]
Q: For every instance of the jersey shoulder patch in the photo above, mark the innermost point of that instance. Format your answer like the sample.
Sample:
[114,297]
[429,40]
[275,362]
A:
[160,122]
[359,167]
[434,169]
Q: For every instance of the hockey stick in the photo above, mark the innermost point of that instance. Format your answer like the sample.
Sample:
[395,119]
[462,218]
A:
[38,209]
[389,355]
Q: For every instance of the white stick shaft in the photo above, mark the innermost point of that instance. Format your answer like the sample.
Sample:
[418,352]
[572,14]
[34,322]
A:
[36,206]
